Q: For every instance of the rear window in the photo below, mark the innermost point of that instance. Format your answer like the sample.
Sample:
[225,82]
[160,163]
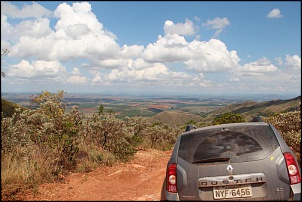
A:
[239,143]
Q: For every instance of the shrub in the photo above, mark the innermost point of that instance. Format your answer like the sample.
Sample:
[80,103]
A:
[160,136]
[109,133]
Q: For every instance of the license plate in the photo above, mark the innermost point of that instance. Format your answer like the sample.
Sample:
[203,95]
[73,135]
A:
[239,191]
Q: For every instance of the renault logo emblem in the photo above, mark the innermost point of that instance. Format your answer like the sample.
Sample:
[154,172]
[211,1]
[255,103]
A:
[229,169]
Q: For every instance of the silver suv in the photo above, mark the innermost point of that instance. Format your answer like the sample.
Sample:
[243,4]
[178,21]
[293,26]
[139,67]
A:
[238,161]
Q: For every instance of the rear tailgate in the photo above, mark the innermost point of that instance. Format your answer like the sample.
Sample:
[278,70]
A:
[232,164]
[254,180]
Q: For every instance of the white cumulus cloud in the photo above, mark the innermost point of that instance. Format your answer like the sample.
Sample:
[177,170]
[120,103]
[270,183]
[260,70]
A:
[34,28]
[77,30]
[217,23]
[186,28]
[28,11]
[169,48]
[293,62]
[77,34]
[37,70]
[211,56]
[259,67]
[275,13]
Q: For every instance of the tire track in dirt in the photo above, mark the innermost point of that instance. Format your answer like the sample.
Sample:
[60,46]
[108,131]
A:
[138,180]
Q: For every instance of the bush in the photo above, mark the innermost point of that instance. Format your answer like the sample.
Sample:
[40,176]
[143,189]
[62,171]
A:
[111,134]
[160,136]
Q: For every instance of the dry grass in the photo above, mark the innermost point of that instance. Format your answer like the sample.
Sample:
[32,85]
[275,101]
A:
[20,171]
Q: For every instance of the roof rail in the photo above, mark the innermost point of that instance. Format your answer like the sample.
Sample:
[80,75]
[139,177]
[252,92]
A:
[190,127]
[256,119]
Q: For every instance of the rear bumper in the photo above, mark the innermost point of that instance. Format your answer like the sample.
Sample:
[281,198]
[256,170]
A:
[296,194]
[172,196]
[296,189]
[168,196]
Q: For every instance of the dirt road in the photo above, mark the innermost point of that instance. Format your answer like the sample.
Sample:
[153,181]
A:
[138,180]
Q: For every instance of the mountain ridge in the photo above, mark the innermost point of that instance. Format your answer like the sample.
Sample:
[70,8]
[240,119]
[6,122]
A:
[248,109]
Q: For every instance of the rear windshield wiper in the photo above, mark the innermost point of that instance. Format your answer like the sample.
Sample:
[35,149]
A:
[219,159]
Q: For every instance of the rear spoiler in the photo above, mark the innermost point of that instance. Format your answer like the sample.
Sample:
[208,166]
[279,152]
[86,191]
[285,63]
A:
[190,127]
[256,119]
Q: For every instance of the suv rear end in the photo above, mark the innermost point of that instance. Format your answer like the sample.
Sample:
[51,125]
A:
[240,161]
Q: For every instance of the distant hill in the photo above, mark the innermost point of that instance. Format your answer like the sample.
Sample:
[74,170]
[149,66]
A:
[8,108]
[250,109]
[247,109]
[175,118]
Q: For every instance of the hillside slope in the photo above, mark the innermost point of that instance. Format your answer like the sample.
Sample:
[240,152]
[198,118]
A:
[175,118]
[8,108]
[247,109]
[250,109]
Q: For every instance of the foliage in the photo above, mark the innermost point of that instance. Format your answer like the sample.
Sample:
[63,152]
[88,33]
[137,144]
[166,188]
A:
[160,136]
[228,118]
[101,109]
[109,133]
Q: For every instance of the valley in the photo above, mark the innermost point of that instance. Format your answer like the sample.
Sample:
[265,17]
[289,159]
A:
[173,110]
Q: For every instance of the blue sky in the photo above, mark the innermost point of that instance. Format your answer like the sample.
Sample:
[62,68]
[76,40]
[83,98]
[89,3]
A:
[172,47]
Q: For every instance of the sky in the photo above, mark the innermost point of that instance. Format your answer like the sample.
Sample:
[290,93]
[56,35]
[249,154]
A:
[152,47]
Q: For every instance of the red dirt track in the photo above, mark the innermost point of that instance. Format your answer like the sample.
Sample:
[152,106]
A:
[138,180]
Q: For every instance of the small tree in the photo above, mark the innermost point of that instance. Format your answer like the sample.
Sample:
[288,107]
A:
[60,129]
[101,109]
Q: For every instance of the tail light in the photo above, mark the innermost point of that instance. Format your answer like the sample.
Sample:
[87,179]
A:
[292,168]
[171,178]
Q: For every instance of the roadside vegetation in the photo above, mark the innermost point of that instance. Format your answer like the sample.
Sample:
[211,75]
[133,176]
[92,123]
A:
[45,144]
